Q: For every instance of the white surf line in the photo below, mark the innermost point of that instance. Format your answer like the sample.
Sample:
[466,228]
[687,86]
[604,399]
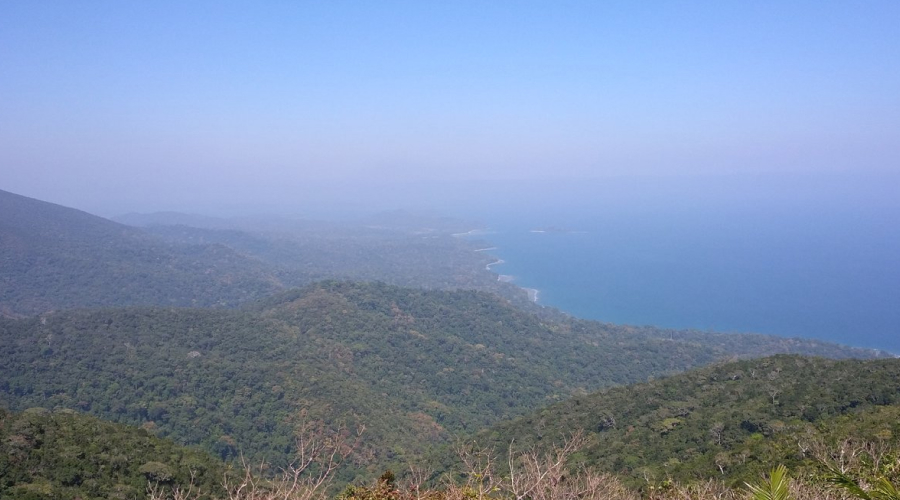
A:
[496,262]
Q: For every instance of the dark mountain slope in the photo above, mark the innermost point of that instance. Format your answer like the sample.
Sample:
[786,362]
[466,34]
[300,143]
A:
[416,367]
[55,257]
[732,421]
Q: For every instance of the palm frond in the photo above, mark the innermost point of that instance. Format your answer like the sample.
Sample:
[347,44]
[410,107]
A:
[775,488]
[843,481]
[884,490]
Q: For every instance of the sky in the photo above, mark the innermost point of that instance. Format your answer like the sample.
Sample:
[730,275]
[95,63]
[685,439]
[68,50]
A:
[114,107]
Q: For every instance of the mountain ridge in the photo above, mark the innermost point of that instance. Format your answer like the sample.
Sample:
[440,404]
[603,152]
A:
[54,257]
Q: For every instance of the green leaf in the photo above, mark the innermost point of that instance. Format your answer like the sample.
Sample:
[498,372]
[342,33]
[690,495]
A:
[775,488]
[847,483]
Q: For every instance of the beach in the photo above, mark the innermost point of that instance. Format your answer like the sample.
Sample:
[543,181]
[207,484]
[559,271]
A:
[533,293]
[507,278]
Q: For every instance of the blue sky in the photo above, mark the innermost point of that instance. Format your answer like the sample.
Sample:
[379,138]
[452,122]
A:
[117,106]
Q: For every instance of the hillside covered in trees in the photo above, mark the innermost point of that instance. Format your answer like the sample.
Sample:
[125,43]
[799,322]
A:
[731,421]
[414,366]
[843,425]
[66,455]
[54,257]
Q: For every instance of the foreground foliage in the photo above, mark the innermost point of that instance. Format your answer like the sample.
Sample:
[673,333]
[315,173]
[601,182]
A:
[533,475]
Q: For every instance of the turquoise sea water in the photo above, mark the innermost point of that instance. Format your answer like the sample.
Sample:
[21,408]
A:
[822,265]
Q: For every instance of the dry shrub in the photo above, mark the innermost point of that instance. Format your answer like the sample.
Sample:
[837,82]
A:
[319,453]
[525,475]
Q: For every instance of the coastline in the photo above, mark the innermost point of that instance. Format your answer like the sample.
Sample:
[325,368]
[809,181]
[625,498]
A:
[533,293]
[471,232]
[496,262]
[559,263]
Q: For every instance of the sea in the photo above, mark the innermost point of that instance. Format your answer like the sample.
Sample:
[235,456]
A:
[814,256]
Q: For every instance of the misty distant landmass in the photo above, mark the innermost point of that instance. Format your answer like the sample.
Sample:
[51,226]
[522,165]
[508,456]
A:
[56,257]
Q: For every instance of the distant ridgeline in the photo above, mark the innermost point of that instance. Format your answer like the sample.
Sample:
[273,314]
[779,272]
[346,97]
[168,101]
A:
[53,257]
[416,367]
[732,421]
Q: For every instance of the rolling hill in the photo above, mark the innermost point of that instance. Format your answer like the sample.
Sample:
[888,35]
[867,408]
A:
[416,367]
[731,421]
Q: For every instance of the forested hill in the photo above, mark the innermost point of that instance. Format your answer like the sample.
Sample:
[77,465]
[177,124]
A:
[54,257]
[732,421]
[416,367]
[64,455]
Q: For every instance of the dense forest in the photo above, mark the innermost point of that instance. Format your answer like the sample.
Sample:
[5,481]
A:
[414,366]
[730,421]
[65,455]
[688,436]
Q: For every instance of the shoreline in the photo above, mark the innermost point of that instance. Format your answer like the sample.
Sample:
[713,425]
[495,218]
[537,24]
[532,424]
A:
[495,263]
[530,246]
[533,293]
[471,232]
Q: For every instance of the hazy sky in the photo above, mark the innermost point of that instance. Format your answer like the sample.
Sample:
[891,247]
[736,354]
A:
[116,106]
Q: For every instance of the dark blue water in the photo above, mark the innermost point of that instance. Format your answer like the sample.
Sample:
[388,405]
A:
[821,261]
